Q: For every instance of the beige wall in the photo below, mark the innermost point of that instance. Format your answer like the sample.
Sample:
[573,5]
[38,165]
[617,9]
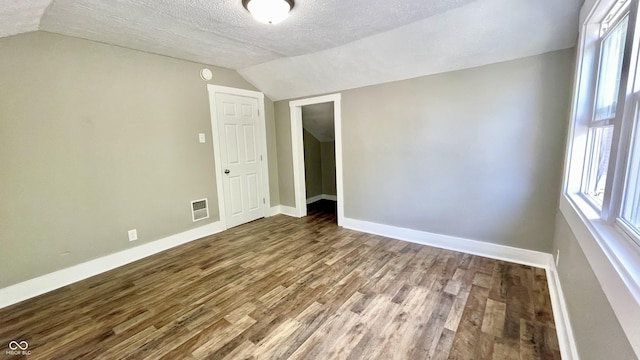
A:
[319,166]
[596,329]
[96,140]
[285,157]
[475,153]
[312,165]
[272,152]
[328,167]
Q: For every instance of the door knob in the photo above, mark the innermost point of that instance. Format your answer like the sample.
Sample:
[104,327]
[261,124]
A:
[226,171]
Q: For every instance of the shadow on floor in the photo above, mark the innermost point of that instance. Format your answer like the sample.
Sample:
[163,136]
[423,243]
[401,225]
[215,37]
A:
[325,209]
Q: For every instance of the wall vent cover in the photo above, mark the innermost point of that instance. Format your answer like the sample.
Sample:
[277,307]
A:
[199,209]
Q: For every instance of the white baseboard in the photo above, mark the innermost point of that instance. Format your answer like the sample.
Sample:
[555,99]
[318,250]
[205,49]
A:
[329,197]
[282,209]
[474,247]
[568,348]
[311,200]
[27,289]
[273,211]
[288,210]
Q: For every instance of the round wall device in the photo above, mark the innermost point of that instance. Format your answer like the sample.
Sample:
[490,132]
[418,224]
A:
[206,74]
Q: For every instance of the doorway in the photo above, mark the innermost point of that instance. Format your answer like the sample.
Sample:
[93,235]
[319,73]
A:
[297,140]
[319,160]
[240,154]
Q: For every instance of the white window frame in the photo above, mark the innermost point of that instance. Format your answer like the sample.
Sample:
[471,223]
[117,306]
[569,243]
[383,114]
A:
[591,82]
[610,250]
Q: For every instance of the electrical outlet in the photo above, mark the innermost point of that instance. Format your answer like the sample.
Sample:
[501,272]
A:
[557,257]
[133,235]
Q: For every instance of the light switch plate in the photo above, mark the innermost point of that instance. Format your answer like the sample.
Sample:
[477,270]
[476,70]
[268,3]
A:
[202,138]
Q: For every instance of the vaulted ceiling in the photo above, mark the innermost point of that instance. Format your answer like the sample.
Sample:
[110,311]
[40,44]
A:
[324,46]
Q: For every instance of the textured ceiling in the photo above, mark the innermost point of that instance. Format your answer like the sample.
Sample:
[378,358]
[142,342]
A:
[318,120]
[479,33]
[324,46]
[223,33]
[19,16]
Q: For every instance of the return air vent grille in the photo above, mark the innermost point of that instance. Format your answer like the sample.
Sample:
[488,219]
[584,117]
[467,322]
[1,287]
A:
[199,209]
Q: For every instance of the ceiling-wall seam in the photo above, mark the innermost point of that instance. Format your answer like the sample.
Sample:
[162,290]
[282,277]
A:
[44,12]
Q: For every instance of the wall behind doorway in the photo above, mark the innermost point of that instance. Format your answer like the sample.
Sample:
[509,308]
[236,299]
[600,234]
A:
[319,166]
[328,156]
[312,164]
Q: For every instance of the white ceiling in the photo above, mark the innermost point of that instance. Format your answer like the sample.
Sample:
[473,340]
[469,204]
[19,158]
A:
[21,16]
[479,33]
[324,46]
[318,120]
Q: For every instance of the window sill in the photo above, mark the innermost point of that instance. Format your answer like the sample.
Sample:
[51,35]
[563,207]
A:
[614,258]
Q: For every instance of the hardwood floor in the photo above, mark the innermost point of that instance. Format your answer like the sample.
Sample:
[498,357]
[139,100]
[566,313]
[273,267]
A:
[285,288]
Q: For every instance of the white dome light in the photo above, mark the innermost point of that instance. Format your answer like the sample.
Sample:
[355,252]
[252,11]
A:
[269,11]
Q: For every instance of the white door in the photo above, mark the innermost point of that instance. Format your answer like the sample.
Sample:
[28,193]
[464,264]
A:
[240,158]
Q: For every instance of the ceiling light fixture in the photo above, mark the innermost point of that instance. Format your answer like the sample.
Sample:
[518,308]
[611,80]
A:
[269,11]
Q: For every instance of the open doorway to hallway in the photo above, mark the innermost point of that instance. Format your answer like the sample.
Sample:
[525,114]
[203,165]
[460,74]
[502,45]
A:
[297,152]
[320,159]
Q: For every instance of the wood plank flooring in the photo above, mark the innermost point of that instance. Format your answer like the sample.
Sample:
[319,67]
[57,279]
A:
[285,288]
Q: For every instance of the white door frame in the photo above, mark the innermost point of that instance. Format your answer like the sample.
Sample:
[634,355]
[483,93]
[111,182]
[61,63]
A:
[215,140]
[297,148]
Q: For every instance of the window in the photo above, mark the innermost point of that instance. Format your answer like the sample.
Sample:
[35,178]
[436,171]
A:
[609,178]
[612,45]
[598,163]
[601,191]
[629,218]
[611,54]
